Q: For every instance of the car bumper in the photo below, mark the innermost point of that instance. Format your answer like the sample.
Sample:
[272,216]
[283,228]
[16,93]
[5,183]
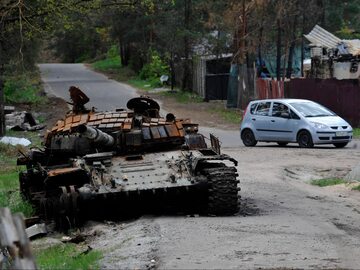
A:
[324,137]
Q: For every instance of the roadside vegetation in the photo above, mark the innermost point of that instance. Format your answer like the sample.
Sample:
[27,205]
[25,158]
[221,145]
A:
[20,89]
[356,133]
[232,116]
[9,182]
[328,182]
[54,257]
[24,88]
[335,181]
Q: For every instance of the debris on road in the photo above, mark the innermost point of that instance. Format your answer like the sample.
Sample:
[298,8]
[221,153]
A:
[22,121]
[15,249]
[15,141]
[36,230]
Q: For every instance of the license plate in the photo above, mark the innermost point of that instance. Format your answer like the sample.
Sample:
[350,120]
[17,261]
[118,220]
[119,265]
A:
[341,133]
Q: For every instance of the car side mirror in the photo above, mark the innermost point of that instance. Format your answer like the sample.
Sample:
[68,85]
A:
[285,115]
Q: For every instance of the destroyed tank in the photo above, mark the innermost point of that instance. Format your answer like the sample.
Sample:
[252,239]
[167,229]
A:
[104,165]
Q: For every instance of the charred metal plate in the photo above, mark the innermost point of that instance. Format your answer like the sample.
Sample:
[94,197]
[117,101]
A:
[154,171]
[172,131]
[146,133]
[155,133]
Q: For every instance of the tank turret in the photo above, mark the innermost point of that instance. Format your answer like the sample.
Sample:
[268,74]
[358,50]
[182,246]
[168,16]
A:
[133,158]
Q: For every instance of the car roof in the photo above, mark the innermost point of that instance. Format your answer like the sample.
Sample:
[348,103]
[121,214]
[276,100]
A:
[286,100]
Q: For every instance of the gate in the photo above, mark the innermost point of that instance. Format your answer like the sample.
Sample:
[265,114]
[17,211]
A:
[216,86]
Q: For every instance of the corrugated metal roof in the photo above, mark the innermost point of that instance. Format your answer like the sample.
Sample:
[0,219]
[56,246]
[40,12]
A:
[320,37]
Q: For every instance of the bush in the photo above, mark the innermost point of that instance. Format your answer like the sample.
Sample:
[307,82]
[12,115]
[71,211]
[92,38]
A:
[153,70]
[23,89]
[111,63]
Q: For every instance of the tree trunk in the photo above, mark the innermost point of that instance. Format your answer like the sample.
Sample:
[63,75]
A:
[322,6]
[291,50]
[186,68]
[124,53]
[2,114]
[259,51]
[242,59]
[172,71]
[302,42]
[278,51]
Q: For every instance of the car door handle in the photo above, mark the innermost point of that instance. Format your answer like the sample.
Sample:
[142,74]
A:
[272,120]
[254,119]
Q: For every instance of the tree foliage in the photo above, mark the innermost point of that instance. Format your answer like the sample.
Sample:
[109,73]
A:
[176,29]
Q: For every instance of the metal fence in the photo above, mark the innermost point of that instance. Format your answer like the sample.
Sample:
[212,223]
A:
[341,96]
[269,89]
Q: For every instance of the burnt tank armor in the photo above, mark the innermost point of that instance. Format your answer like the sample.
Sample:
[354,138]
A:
[126,162]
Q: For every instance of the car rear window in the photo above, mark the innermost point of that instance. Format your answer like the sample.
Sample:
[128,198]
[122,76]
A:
[263,108]
[253,107]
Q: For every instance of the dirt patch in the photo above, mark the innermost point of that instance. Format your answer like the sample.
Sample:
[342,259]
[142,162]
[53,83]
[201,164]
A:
[203,113]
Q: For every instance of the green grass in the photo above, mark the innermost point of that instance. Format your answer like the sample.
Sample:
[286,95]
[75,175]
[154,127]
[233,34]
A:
[66,256]
[356,133]
[108,65]
[9,174]
[14,201]
[184,97]
[141,84]
[24,88]
[9,181]
[328,182]
[356,188]
[232,116]
[33,137]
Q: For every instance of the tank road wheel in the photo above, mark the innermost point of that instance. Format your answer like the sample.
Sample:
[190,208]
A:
[223,190]
[68,214]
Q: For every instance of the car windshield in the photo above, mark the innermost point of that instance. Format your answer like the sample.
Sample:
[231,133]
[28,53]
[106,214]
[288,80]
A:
[311,109]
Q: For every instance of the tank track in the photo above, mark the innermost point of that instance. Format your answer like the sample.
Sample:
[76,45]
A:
[223,191]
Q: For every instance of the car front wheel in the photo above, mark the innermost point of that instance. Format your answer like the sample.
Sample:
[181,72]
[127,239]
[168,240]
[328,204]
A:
[248,138]
[340,145]
[305,139]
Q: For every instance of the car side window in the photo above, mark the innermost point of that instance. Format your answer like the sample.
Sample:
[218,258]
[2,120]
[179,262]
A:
[253,107]
[293,115]
[263,108]
[279,108]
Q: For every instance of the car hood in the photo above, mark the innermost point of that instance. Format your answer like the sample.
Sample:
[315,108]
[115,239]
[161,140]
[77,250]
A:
[329,120]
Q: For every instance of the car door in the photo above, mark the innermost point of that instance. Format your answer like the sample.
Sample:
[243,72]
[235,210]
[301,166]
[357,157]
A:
[260,119]
[282,124]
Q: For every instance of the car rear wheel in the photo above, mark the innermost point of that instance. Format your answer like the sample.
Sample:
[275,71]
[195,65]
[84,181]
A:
[282,143]
[305,139]
[248,138]
[340,145]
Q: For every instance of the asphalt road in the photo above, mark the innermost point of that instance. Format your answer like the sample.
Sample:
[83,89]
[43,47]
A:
[104,94]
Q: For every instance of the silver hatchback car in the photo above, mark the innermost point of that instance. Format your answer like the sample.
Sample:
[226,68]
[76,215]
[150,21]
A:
[293,120]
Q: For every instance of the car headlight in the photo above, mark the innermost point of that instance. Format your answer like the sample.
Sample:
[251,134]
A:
[319,125]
